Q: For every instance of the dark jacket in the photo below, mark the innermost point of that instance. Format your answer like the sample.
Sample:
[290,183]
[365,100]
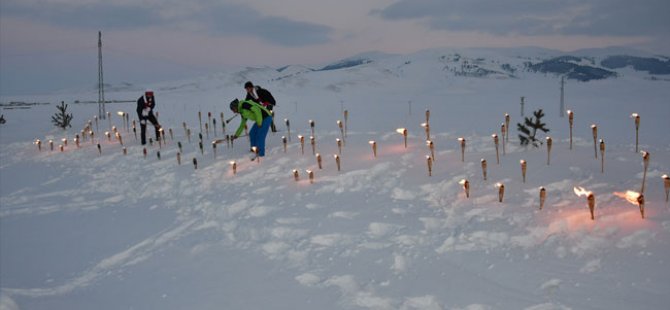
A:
[141,104]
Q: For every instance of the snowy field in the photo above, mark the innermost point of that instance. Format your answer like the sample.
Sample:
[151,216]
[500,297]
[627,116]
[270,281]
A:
[83,230]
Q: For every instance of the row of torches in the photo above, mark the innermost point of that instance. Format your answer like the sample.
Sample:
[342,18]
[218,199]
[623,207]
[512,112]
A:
[633,197]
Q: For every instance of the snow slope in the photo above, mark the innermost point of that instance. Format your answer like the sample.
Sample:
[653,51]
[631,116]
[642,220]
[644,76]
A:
[79,230]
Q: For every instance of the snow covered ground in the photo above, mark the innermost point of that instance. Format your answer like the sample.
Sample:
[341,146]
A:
[79,230]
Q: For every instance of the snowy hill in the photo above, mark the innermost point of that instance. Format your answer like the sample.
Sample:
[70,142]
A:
[97,229]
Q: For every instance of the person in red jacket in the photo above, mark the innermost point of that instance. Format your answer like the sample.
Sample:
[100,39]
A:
[145,112]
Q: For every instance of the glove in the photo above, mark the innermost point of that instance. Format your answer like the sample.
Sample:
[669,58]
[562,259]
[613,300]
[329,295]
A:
[143,122]
[145,111]
[233,137]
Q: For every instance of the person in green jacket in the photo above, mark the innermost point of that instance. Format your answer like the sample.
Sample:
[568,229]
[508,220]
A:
[262,118]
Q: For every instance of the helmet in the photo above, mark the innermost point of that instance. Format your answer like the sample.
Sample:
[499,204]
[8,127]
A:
[234,105]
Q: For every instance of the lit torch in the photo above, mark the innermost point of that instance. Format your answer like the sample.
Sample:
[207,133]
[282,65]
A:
[524,165]
[645,160]
[51,145]
[296,175]
[503,131]
[466,187]
[283,140]
[337,161]
[462,142]
[590,198]
[255,150]
[178,158]
[311,126]
[495,141]
[341,126]
[501,191]
[634,198]
[39,144]
[426,126]
[310,173]
[431,147]
[318,160]
[507,126]
[288,128]
[374,148]
[302,144]
[637,129]
[312,141]
[403,132]
[543,196]
[339,145]
[233,165]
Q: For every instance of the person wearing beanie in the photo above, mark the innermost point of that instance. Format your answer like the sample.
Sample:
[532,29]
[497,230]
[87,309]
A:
[251,110]
[262,96]
[145,112]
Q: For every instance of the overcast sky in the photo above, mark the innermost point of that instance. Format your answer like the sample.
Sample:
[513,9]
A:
[51,44]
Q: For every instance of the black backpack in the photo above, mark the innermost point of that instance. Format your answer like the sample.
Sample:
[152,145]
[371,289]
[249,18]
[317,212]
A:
[264,95]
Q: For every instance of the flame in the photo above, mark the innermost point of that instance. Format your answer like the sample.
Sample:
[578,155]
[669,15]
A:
[499,185]
[634,115]
[371,142]
[401,131]
[580,191]
[121,113]
[629,196]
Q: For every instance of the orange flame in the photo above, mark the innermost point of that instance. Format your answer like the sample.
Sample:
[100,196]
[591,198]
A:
[629,196]
[580,191]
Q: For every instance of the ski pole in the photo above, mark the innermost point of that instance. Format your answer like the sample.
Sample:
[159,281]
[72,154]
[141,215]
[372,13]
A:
[231,118]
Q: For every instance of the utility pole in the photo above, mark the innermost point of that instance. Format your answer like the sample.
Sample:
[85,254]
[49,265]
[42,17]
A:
[562,91]
[101,87]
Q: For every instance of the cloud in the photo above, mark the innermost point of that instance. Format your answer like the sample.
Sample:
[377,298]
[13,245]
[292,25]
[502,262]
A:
[533,17]
[215,18]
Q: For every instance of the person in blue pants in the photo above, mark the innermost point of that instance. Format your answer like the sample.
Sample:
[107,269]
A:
[262,118]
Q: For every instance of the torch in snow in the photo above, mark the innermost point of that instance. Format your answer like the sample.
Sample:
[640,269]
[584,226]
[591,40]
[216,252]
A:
[92,134]
[346,121]
[135,129]
[202,149]
[524,165]
[61,148]
[571,117]
[637,129]
[233,166]
[51,145]
[99,149]
[426,126]
[431,147]
[590,198]
[484,164]
[602,156]
[549,143]
[214,148]
[462,143]
[125,151]
[310,174]
[64,140]
[429,162]
[255,150]
[403,132]
[466,187]
[144,152]
[188,135]
[507,119]
[302,144]
[39,144]
[318,160]
[645,160]
[374,148]
[109,136]
[337,161]
[339,146]
[200,120]
[179,158]
[594,129]
[633,198]
[341,126]
[543,196]
[666,184]
[195,163]
[76,141]
[503,131]
[296,175]
[495,141]
[158,154]
[501,191]
[171,134]
[207,130]
[311,126]
[288,128]
[312,141]
[120,138]
[283,140]
[428,119]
